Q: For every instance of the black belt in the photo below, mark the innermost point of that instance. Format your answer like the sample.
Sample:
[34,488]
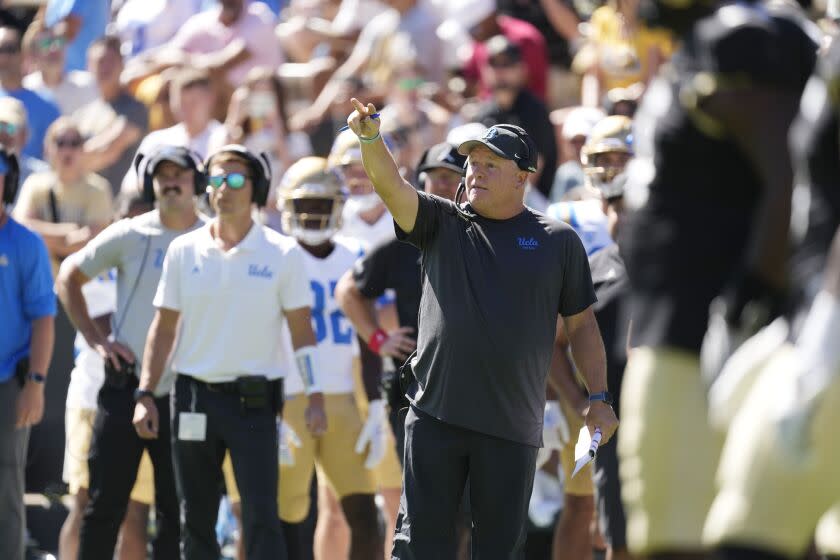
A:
[229,387]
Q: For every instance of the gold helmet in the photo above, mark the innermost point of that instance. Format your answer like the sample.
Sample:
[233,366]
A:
[311,198]
[612,135]
[345,150]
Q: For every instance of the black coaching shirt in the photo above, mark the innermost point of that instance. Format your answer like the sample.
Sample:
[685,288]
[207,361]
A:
[694,190]
[492,290]
[392,265]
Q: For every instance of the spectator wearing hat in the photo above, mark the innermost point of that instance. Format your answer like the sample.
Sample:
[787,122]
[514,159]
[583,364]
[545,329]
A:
[558,21]
[480,18]
[13,134]
[40,112]
[623,100]
[66,205]
[506,75]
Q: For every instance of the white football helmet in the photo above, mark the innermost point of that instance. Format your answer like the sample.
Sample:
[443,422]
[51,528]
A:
[612,135]
[311,199]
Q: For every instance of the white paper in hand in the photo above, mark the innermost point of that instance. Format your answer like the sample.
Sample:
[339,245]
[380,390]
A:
[590,453]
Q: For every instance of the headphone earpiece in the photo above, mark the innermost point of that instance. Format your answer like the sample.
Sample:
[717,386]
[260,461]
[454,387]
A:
[199,174]
[526,139]
[260,170]
[10,185]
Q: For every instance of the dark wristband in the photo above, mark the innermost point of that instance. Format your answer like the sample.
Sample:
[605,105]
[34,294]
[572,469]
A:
[37,377]
[604,396]
[140,393]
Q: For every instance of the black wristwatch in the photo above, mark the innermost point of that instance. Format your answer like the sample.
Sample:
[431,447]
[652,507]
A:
[604,396]
[140,393]
[37,377]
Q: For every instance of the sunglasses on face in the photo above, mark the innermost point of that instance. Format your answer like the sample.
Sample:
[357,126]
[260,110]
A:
[8,128]
[233,180]
[68,143]
[47,43]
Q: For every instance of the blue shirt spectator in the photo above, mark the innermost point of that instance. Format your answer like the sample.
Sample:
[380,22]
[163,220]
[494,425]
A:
[26,291]
[87,18]
[41,113]
[27,309]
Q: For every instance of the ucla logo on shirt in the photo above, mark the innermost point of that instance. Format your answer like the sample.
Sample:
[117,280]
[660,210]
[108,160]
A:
[527,243]
[258,271]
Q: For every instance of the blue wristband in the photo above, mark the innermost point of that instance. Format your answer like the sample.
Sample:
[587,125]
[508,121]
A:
[604,396]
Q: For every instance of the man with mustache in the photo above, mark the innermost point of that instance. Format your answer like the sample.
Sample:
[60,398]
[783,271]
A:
[171,176]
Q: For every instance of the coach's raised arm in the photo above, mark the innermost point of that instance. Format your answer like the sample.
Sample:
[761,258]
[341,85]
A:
[495,276]
[397,194]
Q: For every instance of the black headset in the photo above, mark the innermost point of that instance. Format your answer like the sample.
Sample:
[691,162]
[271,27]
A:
[526,139]
[259,166]
[521,163]
[10,186]
[461,191]
[199,173]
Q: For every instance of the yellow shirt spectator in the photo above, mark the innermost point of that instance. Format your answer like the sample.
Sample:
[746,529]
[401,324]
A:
[625,54]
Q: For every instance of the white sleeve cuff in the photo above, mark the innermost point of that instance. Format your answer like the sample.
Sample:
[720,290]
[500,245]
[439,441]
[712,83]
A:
[306,359]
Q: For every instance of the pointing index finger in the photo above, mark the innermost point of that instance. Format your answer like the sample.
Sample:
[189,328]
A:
[359,107]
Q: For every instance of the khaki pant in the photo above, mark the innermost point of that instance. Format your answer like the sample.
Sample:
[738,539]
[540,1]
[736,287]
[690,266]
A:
[777,490]
[334,453]
[668,452]
[78,425]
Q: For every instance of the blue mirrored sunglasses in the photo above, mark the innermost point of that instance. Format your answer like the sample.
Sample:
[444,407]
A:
[233,180]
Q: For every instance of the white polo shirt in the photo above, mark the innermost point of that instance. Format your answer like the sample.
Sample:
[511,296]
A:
[232,303]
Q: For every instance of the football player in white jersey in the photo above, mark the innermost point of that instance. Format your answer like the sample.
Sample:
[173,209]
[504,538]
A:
[311,199]
[364,217]
[606,152]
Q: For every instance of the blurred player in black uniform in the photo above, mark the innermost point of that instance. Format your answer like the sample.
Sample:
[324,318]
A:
[708,196]
[778,474]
